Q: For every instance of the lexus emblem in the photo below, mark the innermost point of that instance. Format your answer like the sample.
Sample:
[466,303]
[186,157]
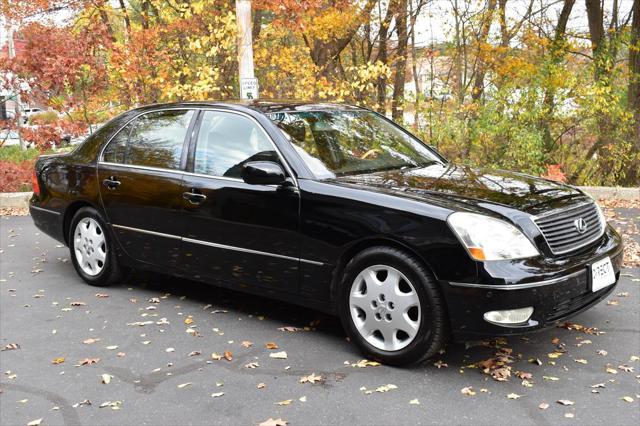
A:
[581,225]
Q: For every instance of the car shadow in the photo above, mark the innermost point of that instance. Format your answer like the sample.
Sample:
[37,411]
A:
[530,349]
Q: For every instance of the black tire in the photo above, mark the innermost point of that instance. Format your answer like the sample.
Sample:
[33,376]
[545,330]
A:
[112,271]
[433,330]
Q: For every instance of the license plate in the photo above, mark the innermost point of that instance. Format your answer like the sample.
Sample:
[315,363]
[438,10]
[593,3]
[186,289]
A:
[602,274]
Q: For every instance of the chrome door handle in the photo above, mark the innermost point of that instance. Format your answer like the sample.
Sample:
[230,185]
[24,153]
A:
[111,182]
[194,197]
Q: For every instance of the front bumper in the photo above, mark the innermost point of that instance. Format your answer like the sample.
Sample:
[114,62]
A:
[556,288]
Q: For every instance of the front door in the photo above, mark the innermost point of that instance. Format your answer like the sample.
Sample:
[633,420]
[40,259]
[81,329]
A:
[236,232]
[140,179]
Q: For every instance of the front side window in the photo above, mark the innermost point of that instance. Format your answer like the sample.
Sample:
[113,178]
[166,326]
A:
[153,140]
[337,143]
[226,141]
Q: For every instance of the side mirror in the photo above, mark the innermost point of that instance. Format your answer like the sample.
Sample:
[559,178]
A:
[263,173]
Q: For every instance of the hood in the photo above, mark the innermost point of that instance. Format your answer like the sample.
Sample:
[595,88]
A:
[469,185]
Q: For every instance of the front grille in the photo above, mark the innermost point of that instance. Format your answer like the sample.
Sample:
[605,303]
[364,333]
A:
[561,233]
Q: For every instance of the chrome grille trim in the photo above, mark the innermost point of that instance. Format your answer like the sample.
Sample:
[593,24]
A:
[562,237]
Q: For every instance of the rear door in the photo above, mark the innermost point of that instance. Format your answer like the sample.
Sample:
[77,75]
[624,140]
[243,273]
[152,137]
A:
[240,233]
[140,177]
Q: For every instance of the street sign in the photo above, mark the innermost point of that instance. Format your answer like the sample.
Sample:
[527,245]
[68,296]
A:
[249,88]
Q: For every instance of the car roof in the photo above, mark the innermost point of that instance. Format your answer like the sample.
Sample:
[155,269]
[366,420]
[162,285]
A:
[263,106]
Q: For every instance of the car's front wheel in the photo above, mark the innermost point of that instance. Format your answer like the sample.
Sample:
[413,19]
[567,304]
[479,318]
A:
[391,307]
[92,250]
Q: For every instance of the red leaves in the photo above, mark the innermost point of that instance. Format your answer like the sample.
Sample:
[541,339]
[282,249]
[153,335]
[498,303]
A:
[554,172]
[15,177]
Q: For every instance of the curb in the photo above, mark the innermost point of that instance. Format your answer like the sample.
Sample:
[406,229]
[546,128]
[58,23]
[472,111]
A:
[612,192]
[21,199]
[15,199]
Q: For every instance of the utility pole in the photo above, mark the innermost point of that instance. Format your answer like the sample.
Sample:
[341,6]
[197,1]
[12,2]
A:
[248,82]
[12,55]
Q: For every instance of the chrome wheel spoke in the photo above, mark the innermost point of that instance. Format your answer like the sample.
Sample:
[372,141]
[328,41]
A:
[385,307]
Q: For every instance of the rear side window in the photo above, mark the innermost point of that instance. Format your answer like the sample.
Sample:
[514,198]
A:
[153,140]
[116,150]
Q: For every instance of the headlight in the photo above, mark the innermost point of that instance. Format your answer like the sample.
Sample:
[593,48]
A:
[487,238]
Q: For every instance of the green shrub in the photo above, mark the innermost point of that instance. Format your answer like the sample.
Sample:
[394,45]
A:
[47,117]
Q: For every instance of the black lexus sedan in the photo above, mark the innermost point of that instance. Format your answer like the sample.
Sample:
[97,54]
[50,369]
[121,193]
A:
[332,207]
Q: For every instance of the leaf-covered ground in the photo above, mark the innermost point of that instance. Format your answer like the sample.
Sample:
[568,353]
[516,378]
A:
[159,350]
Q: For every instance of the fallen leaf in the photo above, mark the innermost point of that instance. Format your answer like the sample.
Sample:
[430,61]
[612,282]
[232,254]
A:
[366,363]
[602,352]
[278,355]
[106,379]
[524,375]
[184,385]
[217,394]
[11,347]
[543,406]
[285,402]
[261,386]
[581,361]
[57,360]
[514,396]
[77,304]
[468,391]
[289,328]
[414,402]
[170,350]
[535,361]
[271,345]
[89,361]
[247,344]
[625,368]
[569,415]
[228,355]
[311,378]
[115,405]
[188,320]
[194,353]
[439,364]
[101,295]
[274,422]
[112,347]
[216,356]
[90,341]
[36,422]
[252,365]
[302,399]
[565,402]
[627,399]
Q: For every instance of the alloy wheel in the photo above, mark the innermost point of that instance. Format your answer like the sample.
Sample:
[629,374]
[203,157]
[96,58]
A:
[385,307]
[90,246]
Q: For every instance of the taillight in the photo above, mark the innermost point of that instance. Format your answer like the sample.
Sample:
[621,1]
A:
[34,182]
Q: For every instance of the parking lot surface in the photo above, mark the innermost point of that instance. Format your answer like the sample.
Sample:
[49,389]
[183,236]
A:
[160,350]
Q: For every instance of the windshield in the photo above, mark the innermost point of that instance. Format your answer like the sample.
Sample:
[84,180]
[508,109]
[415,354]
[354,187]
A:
[338,143]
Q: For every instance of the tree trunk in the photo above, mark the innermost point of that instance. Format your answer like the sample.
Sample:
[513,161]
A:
[397,108]
[127,21]
[556,56]
[383,35]
[633,174]
[478,84]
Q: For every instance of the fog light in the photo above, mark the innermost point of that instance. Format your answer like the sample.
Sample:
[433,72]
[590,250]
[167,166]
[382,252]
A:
[509,317]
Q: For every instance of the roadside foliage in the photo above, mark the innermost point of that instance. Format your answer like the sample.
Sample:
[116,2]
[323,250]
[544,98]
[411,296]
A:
[508,84]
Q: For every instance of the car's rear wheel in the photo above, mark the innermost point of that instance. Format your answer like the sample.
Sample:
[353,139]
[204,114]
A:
[391,307]
[91,248]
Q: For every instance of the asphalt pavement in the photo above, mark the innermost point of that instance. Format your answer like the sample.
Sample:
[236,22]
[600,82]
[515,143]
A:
[152,339]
